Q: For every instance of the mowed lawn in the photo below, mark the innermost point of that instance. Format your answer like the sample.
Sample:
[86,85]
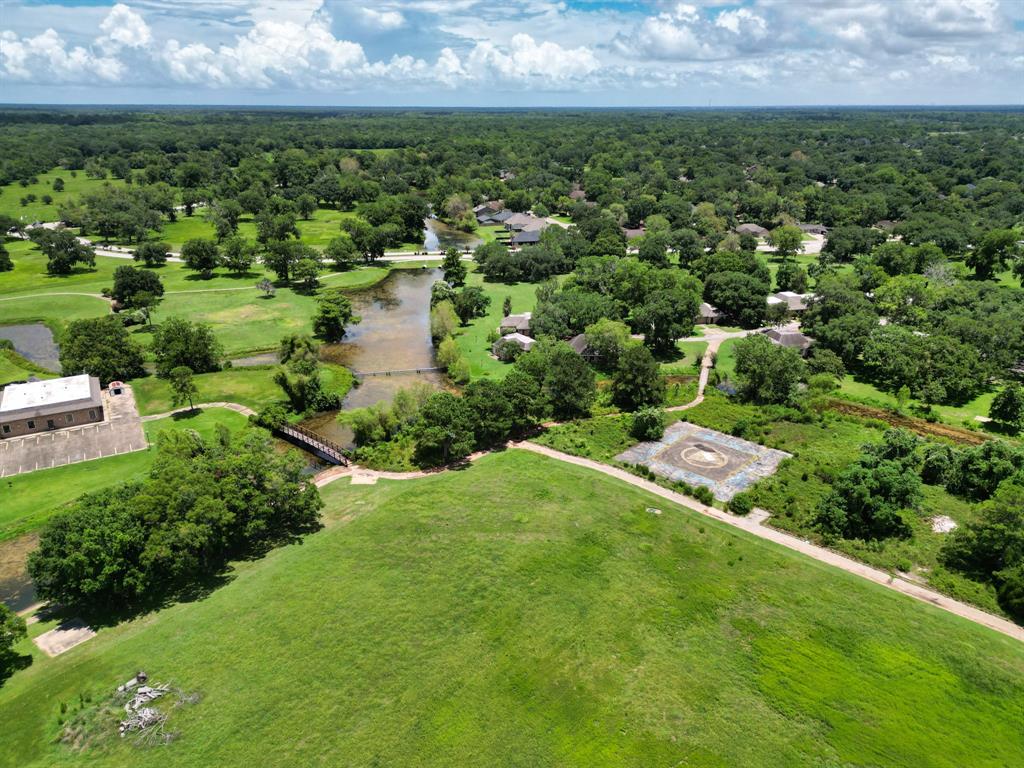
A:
[251,386]
[29,500]
[243,318]
[317,231]
[472,339]
[74,187]
[524,612]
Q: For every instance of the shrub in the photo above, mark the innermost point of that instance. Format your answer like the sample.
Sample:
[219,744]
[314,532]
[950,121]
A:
[704,495]
[741,504]
[648,424]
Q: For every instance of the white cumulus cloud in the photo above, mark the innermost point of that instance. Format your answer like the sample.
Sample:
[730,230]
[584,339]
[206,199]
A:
[123,28]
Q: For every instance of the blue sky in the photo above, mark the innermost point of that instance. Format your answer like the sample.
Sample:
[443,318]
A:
[513,53]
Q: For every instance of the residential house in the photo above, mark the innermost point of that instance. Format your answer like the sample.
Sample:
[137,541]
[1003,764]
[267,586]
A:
[708,313]
[789,337]
[813,229]
[795,302]
[751,229]
[511,345]
[582,348]
[519,323]
[526,237]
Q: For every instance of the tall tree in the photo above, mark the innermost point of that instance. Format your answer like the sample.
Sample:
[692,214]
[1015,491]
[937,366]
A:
[637,381]
[180,342]
[454,268]
[100,347]
[201,255]
[333,315]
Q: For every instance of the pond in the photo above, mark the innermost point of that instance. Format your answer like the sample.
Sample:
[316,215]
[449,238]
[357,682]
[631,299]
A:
[438,236]
[394,335]
[34,342]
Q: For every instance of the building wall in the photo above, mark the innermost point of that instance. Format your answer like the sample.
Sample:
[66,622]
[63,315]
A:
[21,426]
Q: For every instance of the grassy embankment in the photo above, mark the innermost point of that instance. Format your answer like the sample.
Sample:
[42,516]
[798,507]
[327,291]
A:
[526,612]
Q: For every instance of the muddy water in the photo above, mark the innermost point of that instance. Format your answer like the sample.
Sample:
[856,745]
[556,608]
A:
[438,236]
[394,335]
[16,590]
[34,342]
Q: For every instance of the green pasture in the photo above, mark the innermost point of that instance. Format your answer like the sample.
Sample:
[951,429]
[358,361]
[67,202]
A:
[525,612]
[74,187]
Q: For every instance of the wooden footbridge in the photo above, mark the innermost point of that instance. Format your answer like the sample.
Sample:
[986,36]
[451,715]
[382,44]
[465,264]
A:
[316,444]
[397,372]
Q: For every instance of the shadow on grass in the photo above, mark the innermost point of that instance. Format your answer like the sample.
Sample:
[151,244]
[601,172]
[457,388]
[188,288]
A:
[11,662]
[186,415]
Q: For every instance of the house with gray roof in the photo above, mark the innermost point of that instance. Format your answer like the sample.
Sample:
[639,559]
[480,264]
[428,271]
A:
[751,229]
[519,323]
[790,338]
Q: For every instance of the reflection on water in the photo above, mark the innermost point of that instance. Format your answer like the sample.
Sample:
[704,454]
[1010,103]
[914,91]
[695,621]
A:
[17,591]
[394,335]
[34,342]
[438,236]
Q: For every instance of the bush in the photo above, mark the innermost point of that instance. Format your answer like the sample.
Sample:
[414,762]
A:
[648,424]
[741,504]
[704,495]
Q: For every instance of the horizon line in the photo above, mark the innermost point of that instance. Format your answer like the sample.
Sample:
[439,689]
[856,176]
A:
[520,108]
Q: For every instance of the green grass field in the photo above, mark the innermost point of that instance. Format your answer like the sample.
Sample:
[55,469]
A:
[74,187]
[242,318]
[317,231]
[528,613]
[30,499]
[957,415]
[253,387]
[820,451]
[725,362]
[13,367]
[472,339]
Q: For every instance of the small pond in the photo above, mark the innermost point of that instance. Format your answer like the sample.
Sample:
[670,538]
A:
[34,342]
[438,236]
[394,335]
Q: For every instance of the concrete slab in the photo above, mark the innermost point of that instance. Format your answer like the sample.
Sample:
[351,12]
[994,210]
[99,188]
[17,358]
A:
[698,456]
[120,432]
[64,637]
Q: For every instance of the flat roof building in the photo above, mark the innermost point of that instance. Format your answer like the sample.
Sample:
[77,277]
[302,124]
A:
[38,406]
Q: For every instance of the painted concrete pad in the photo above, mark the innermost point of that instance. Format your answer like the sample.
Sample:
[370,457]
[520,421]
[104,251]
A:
[699,456]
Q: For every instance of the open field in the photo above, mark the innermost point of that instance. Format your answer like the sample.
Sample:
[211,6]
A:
[318,231]
[472,339]
[243,319]
[74,187]
[30,499]
[820,451]
[959,415]
[524,612]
